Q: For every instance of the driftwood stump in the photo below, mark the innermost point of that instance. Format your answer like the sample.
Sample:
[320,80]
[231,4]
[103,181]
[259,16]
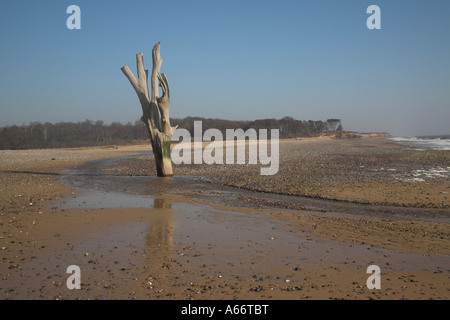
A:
[155,109]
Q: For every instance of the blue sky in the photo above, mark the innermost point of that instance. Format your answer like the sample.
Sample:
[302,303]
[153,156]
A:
[239,60]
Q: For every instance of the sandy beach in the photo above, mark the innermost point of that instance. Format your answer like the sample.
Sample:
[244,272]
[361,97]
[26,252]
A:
[335,207]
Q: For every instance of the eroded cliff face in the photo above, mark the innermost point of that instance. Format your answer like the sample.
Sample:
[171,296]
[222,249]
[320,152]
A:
[351,134]
[376,134]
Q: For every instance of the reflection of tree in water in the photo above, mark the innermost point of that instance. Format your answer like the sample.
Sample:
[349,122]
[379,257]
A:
[160,236]
[161,204]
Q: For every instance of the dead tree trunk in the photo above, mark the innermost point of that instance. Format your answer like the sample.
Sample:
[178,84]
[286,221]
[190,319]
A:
[155,109]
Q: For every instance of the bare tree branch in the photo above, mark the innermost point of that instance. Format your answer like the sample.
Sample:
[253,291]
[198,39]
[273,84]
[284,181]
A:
[155,109]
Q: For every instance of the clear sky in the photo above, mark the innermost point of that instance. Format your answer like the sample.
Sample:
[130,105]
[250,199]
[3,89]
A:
[238,60]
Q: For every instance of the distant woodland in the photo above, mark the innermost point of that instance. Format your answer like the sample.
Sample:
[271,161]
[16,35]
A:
[37,135]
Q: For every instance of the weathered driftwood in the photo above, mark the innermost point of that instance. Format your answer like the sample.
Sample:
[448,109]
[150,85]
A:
[155,109]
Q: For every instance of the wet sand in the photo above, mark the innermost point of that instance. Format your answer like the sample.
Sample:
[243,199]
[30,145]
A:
[138,237]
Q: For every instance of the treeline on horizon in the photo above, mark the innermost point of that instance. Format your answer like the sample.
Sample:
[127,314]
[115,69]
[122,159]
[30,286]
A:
[38,135]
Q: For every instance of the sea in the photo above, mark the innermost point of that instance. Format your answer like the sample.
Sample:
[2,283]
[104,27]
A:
[426,142]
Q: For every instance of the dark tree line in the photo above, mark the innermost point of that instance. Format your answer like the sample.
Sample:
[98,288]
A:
[289,127]
[89,133]
[69,134]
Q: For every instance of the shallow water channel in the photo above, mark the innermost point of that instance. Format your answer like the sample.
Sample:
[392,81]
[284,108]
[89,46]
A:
[216,218]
